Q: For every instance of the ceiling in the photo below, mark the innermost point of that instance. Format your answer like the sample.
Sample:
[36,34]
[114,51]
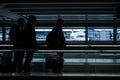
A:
[16,8]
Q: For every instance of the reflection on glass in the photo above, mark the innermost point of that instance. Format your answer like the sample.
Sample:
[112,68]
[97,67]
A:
[118,60]
[73,57]
[7,30]
[0,34]
[75,34]
[79,60]
[41,34]
[70,34]
[100,60]
[118,34]
[100,34]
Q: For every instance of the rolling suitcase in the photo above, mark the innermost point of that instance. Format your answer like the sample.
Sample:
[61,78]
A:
[55,63]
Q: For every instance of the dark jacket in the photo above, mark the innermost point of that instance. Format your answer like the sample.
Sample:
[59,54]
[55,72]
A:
[56,39]
[30,36]
[16,36]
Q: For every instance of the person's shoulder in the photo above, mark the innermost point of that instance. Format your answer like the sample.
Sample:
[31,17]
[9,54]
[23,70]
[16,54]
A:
[49,33]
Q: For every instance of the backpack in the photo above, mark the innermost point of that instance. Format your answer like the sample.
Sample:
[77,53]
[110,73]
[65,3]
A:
[51,39]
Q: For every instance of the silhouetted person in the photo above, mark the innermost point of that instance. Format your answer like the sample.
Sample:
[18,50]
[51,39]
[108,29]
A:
[30,41]
[16,36]
[56,40]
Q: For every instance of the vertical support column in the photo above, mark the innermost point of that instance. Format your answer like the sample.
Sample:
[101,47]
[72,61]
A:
[115,34]
[86,35]
[86,29]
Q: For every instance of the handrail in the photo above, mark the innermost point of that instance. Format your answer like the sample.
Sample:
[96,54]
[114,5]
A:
[89,45]
[70,48]
[86,51]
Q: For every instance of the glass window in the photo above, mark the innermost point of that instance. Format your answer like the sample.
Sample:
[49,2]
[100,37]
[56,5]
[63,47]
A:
[74,60]
[0,33]
[70,34]
[7,30]
[100,60]
[118,34]
[118,60]
[74,34]
[38,60]
[41,34]
[83,60]
[100,34]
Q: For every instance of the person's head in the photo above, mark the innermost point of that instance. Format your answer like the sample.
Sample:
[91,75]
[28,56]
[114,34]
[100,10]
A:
[32,20]
[21,22]
[60,22]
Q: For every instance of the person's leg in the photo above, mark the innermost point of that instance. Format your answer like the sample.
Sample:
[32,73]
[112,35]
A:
[20,61]
[28,59]
[15,61]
